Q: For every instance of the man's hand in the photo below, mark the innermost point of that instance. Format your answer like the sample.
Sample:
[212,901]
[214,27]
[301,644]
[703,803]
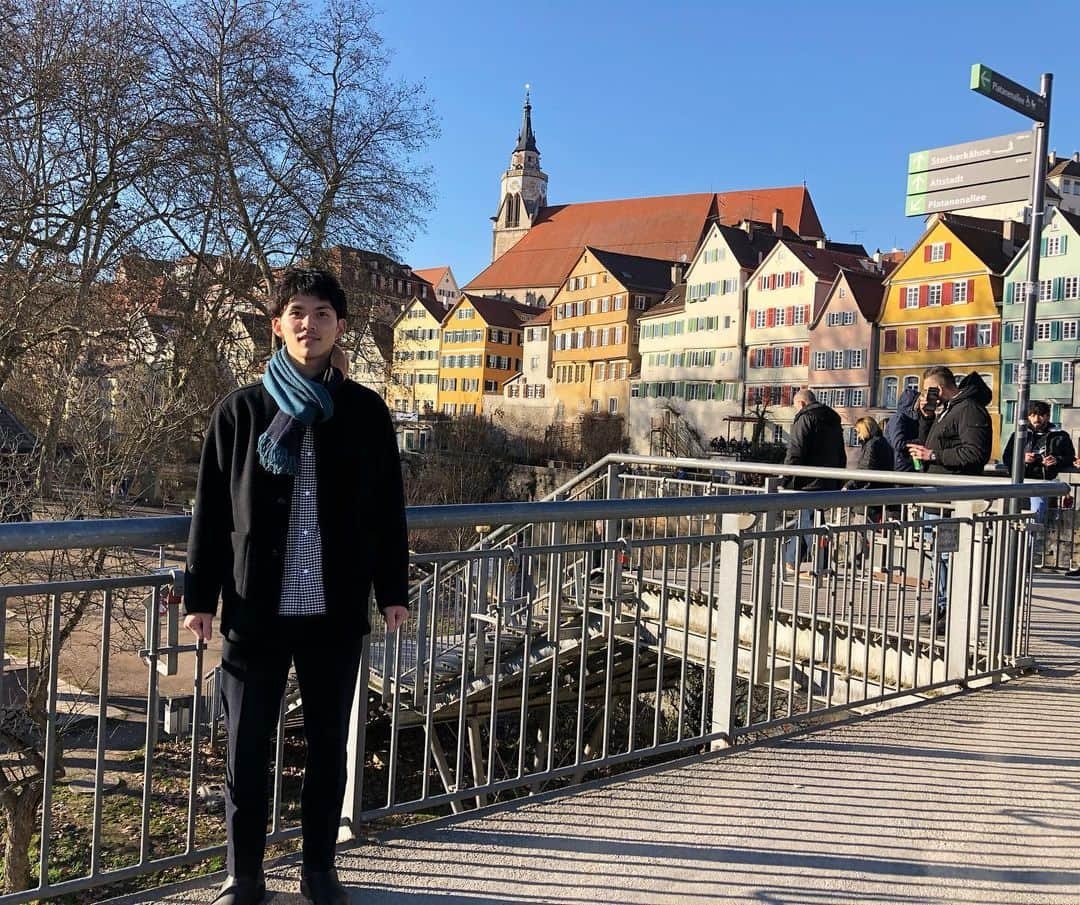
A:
[918,451]
[394,617]
[201,625]
[1029,458]
[1050,461]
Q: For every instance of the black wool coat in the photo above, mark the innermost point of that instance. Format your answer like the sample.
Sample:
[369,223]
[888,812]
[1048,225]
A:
[817,438]
[236,548]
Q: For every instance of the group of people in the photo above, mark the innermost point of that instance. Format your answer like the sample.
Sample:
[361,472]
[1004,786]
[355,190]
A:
[729,447]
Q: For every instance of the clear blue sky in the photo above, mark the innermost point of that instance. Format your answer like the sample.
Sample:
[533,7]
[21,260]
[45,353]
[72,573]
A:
[639,98]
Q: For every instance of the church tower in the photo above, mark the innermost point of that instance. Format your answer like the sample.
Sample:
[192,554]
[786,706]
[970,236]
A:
[524,188]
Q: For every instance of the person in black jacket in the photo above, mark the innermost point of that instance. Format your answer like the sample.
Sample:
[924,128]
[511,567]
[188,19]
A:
[299,513]
[817,438]
[958,438]
[956,425]
[876,455]
[1048,451]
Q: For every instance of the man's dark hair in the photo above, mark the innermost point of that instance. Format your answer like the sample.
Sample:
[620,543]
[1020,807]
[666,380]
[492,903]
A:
[940,375]
[313,281]
[1038,407]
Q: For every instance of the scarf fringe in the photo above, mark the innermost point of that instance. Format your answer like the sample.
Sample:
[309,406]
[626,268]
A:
[275,458]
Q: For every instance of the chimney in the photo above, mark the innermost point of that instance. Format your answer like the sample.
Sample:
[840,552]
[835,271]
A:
[819,243]
[747,227]
[1076,156]
[1053,158]
[1008,236]
[677,272]
[778,222]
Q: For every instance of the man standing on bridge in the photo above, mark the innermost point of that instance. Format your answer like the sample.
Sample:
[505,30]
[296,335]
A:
[299,512]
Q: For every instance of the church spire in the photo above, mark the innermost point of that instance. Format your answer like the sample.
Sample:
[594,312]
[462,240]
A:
[526,140]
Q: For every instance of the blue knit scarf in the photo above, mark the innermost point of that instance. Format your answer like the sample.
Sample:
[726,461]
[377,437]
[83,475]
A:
[302,402]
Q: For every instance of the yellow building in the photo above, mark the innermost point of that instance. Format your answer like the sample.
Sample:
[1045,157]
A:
[414,370]
[595,332]
[941,307]
[480,350]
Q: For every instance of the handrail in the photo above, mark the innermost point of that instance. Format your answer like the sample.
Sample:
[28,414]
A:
[85,533]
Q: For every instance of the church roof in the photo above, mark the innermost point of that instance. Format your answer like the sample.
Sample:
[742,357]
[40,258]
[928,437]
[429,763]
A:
[526,140]
[665,227]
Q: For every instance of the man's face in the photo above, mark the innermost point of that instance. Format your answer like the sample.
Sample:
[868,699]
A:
[1038,421]
[310,327]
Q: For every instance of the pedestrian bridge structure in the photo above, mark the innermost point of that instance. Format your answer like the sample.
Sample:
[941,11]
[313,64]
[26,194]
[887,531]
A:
[656,684]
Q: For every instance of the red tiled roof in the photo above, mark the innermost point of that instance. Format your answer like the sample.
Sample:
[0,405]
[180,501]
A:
[432,275]
[665,227]
[671,303]
[868,290]
[543,318]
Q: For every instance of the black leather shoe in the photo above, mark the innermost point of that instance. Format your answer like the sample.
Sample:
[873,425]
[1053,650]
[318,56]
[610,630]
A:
[321,887]
[242,891]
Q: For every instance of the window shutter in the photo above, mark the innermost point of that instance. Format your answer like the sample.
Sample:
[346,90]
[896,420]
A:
[946,293]
[1007,372]
[971,290]
[1064,245]
[785,396]
[1055,330]
[791,313]
[760,283]
[948,337]
[890,340]
[926,254]
[806,313]
[972,331]
[1059,288]
[924,296]
[995,333]
[770,318]
[787,356]
[1010,292]
[1042,248]
[948,250]
[911,339]
[933,338]
[1055,372]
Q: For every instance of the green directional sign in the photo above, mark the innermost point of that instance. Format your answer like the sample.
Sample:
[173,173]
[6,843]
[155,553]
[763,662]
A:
[972,174]
[1005,191]
[995,148]
[1009,93]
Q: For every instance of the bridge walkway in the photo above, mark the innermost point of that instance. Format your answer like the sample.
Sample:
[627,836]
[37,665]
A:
[975,799]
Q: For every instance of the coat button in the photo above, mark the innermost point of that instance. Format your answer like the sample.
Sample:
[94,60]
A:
[275,552]
[281,501]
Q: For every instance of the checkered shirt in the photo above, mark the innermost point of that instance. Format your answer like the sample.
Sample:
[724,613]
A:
[302,581]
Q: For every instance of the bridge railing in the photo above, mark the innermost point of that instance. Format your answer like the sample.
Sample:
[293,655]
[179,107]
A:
[611,632]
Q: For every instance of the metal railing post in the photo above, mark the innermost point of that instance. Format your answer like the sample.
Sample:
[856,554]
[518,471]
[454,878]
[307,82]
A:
[611,532]
[765,581]
[356,754]
[726,654]
[966,572]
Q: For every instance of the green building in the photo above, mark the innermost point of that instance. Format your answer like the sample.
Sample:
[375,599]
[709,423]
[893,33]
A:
[1057,341]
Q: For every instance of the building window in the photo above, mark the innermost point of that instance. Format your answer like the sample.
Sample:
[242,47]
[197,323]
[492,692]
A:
[777,357]
[983,335]
[911,339]
[889,392]
[959,292]
[837,359]
[858,398]
[780,318]
[857,358]
[911,382]
[937,252]
[1046,290]
[1072,286]
[1042,372]
[889,341]
[464,313]
[933,296]
[799,315]
[759,318]
[1067,372]
[911,296]
[1042,330]
[1054,246]
[959,337]
[849,318]
[612,405]
[1068,330]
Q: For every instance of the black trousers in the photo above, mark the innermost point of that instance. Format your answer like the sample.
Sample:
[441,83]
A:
[253,679]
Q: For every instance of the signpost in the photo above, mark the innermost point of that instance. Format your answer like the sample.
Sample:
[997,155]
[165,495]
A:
[987,172]
[1037,107]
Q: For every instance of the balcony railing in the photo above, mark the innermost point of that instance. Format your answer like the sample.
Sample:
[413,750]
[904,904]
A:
[667,606]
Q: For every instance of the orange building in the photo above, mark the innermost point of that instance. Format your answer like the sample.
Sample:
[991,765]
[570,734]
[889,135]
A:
[480,349]
[595,332]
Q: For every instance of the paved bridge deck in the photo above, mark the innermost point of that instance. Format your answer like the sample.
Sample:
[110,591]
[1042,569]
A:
[971,800]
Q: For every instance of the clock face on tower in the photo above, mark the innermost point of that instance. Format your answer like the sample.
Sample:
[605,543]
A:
[513,185]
